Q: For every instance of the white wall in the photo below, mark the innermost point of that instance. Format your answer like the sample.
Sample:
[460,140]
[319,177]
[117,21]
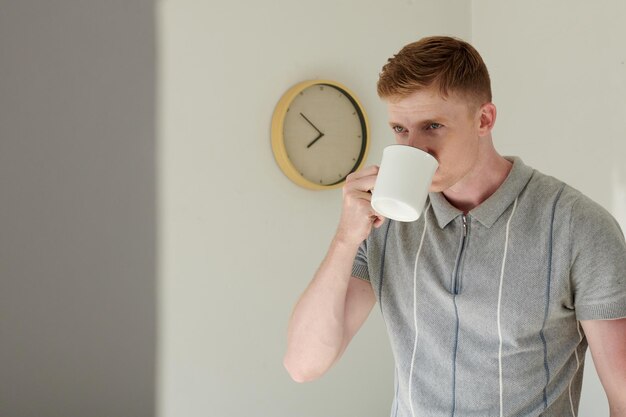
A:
[239,242]
[559,82]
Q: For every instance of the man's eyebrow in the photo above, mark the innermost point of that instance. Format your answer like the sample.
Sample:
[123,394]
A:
[438,119]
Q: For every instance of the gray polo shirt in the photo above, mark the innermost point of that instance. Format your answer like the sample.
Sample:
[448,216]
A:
[483,310]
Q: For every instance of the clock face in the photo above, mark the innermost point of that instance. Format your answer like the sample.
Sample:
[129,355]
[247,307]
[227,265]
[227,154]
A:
[324,134]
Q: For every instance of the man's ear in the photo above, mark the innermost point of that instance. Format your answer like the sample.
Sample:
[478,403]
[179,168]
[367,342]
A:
[487,118]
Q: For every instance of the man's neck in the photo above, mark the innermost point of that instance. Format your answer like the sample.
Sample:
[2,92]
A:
[480,183]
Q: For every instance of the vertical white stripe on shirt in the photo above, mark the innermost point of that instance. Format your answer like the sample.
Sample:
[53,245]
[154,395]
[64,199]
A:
[415,310]
[506,249]
[571,402]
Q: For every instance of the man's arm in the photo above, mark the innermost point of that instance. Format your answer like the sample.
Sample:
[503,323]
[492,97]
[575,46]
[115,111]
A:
[334,305]
[607,341]
[316,345]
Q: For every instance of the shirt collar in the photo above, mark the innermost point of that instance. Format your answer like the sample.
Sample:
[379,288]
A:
[493,207]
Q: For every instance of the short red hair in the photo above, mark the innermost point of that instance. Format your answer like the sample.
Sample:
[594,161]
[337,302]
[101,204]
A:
[446,63]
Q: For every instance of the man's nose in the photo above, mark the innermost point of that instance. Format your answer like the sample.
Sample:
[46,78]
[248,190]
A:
[415,142]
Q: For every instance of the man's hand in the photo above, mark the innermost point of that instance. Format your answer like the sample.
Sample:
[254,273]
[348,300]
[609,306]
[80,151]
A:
[358,216]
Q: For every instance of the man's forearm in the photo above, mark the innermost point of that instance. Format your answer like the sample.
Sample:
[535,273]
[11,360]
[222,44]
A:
[316,328]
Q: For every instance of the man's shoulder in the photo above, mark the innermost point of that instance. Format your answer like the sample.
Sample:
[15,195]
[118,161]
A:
[567,198]
[542,186]
[543,183]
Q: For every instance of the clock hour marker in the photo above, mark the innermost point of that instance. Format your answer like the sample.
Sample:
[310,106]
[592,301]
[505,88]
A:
[353,113]
[359,136]
[354,159]
[322,88]
[320,181]
[301,93]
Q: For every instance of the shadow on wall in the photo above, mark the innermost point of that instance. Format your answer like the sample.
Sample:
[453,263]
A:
[78,209]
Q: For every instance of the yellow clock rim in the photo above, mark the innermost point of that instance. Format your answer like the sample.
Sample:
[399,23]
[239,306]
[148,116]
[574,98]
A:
[278,144]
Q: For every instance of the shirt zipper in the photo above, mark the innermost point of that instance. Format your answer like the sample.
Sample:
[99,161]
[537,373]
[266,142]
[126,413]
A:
[458,266]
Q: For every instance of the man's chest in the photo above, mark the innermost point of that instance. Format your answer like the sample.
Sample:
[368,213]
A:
[514,274]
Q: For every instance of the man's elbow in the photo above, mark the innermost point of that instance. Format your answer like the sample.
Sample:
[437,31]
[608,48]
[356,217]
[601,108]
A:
[617,408]
[301,374]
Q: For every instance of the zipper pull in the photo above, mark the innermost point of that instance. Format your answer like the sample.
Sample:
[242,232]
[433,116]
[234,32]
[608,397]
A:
[464,225]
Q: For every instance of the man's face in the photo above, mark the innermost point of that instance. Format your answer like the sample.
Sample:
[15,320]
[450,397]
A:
[445,128]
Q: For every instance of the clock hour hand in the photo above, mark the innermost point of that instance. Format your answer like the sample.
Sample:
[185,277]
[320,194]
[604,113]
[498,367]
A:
[318,131]
[315,140]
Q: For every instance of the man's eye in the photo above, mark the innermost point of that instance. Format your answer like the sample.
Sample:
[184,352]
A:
[398,129]
[434,126]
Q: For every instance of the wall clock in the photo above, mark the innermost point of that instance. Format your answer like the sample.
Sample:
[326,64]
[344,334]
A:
[320,134]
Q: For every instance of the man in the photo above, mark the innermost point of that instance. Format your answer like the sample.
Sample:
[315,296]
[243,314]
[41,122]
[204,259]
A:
[490,298]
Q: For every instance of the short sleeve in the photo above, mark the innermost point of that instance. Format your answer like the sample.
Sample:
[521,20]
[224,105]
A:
[359,267]
[598,268]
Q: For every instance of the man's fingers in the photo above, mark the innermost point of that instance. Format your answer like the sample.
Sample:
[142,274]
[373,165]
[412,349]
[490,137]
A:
[370,170]
[358,216]
[364,195]
[379,221]
[376,218]
[365,183]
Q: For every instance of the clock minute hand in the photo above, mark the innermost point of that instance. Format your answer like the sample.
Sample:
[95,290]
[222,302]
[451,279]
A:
[311,123]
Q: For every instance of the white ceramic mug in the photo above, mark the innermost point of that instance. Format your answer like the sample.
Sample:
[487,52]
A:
[403,181]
